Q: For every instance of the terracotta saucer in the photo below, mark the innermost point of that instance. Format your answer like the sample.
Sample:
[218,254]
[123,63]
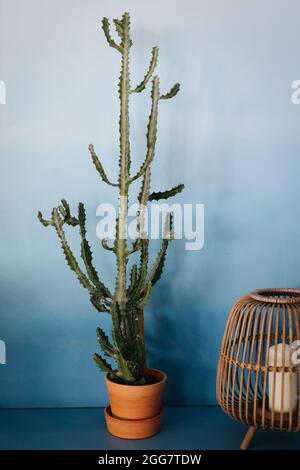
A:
[132,428]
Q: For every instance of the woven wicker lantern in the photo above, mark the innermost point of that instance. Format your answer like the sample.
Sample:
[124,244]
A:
[258,380]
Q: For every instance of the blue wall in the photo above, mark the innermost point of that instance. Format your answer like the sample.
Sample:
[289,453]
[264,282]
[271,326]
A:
[232,136]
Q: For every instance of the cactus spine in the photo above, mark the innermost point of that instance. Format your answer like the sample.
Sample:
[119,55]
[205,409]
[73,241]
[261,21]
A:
[126,303]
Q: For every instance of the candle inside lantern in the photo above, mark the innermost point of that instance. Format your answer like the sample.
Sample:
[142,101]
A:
[282,384]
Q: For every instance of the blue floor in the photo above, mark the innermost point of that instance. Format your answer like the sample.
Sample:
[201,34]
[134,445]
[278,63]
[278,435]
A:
[84,428]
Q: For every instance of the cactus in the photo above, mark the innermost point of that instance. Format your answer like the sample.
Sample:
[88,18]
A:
[126,304]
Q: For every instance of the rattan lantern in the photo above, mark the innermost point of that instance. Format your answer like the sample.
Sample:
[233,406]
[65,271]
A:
[258,380]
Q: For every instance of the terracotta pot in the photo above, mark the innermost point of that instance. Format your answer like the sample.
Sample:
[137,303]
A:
[132,428]
[137,401]
[135,411]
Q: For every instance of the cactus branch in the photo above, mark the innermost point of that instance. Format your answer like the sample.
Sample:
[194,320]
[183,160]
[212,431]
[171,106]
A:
[43,221]
[87,256]
[145,296]
[166,194]
[119,27]
[133,279]
[64,209]
[105,245]
[105,344]
[138,288]
[124,166]
[151,132]
[141,86]
[174,90]
[100,303]
[99,166]
[158,266]
[159,263]
[143,199]
[102,364]
[106,29]
[70,258]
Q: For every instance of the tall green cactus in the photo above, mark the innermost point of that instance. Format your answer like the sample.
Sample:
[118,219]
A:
[126,303]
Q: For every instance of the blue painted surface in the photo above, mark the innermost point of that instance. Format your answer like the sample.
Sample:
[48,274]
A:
[200,428]
[232,136]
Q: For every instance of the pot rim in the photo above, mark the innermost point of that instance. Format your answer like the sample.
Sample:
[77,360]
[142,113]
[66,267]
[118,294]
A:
[149,369]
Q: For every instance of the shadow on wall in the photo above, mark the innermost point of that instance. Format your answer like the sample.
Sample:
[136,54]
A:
[179,348]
